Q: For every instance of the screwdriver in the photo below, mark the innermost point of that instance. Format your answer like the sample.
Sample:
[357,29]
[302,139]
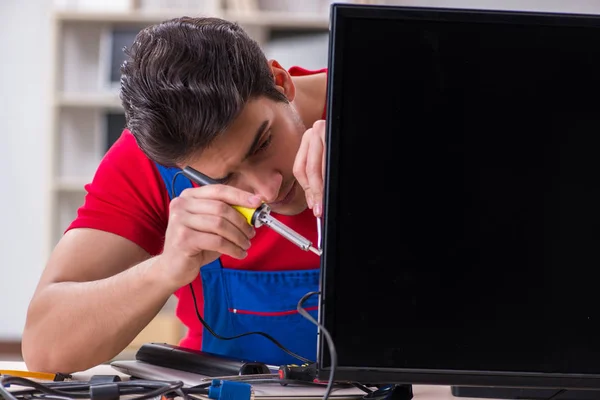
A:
[46,376]
[257,217]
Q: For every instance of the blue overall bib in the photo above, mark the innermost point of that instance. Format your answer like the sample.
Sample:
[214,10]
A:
[240,301]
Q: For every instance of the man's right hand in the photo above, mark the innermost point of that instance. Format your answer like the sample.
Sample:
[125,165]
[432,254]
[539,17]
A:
[121,284]
[202,226]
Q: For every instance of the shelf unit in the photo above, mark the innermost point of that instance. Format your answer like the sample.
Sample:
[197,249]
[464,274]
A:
[84,94]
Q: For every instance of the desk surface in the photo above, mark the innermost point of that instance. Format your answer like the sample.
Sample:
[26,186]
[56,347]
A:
[421,392]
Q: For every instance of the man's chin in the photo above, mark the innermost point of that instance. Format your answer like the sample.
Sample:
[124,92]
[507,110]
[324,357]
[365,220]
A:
[289,210]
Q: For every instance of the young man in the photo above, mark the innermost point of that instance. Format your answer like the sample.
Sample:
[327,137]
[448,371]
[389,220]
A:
[197,92]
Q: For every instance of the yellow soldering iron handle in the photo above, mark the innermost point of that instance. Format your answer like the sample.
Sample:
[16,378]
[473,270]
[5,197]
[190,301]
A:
[254,215]
[248,213]
[201,179]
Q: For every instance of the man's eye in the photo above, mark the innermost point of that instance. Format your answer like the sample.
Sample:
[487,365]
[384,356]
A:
[265,145]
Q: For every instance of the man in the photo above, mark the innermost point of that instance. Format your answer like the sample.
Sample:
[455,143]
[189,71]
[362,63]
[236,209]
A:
[197,92]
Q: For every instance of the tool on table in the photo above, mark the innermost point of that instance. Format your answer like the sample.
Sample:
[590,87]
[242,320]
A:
[258,217]
[197,361]
[45,376]
[297,373]
[304,373]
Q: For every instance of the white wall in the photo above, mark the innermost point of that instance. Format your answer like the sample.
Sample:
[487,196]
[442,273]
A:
[25,68]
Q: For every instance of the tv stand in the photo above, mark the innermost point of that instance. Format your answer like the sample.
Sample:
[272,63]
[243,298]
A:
[530,394]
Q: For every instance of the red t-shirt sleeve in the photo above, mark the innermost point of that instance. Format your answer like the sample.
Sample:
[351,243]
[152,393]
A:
[127,197]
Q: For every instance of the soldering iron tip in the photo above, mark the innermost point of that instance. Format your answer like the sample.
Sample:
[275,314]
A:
[315,250]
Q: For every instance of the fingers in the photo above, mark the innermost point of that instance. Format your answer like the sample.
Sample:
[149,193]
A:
[217,234]
[209,224]
[299,168]
[215,208]
[309,166]
[206,242]
[314,173]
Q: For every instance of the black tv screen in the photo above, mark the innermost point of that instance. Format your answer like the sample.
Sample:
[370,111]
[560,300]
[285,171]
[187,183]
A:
[462,211]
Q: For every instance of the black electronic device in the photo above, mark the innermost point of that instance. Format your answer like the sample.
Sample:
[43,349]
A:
[461,220]
[196,361]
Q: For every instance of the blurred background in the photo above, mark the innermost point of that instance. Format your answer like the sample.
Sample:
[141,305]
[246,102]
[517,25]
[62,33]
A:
[59,111]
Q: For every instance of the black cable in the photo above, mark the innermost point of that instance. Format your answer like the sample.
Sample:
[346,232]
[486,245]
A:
[173,387]
[173,194]
[362,387]
[124,389]
[71,390]
[555,395]
[264,334]
[6,394]
[380,393]
[330,344]
[209,329]
[145,389]
[16,380]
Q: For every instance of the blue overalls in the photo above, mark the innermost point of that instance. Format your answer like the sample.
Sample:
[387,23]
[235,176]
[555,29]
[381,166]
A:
[240,301]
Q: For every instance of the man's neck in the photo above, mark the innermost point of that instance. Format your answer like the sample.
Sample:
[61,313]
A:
[310,97]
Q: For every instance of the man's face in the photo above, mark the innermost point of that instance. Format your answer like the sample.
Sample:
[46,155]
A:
[257,154]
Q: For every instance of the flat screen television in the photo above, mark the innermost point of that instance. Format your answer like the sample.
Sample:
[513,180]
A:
[462,198]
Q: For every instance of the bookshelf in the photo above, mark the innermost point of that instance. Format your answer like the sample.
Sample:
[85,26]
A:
[85,91]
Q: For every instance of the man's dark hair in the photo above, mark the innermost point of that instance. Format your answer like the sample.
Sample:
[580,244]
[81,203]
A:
[186,80]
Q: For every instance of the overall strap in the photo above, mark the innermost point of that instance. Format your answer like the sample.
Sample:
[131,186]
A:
[181,182]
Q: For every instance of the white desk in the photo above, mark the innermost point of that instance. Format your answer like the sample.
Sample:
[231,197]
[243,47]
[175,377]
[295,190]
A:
[421,392]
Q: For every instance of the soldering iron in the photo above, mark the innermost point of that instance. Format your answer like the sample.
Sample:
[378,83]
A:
[257,217]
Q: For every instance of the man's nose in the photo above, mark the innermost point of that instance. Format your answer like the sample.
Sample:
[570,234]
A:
[267,187]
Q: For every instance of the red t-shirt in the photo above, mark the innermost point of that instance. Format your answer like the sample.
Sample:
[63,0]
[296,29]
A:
[128,197]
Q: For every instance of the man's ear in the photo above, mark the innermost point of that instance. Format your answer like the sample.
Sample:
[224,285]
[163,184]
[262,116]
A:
[283,80]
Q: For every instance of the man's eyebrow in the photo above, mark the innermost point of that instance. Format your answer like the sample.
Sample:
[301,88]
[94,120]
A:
[256,142]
